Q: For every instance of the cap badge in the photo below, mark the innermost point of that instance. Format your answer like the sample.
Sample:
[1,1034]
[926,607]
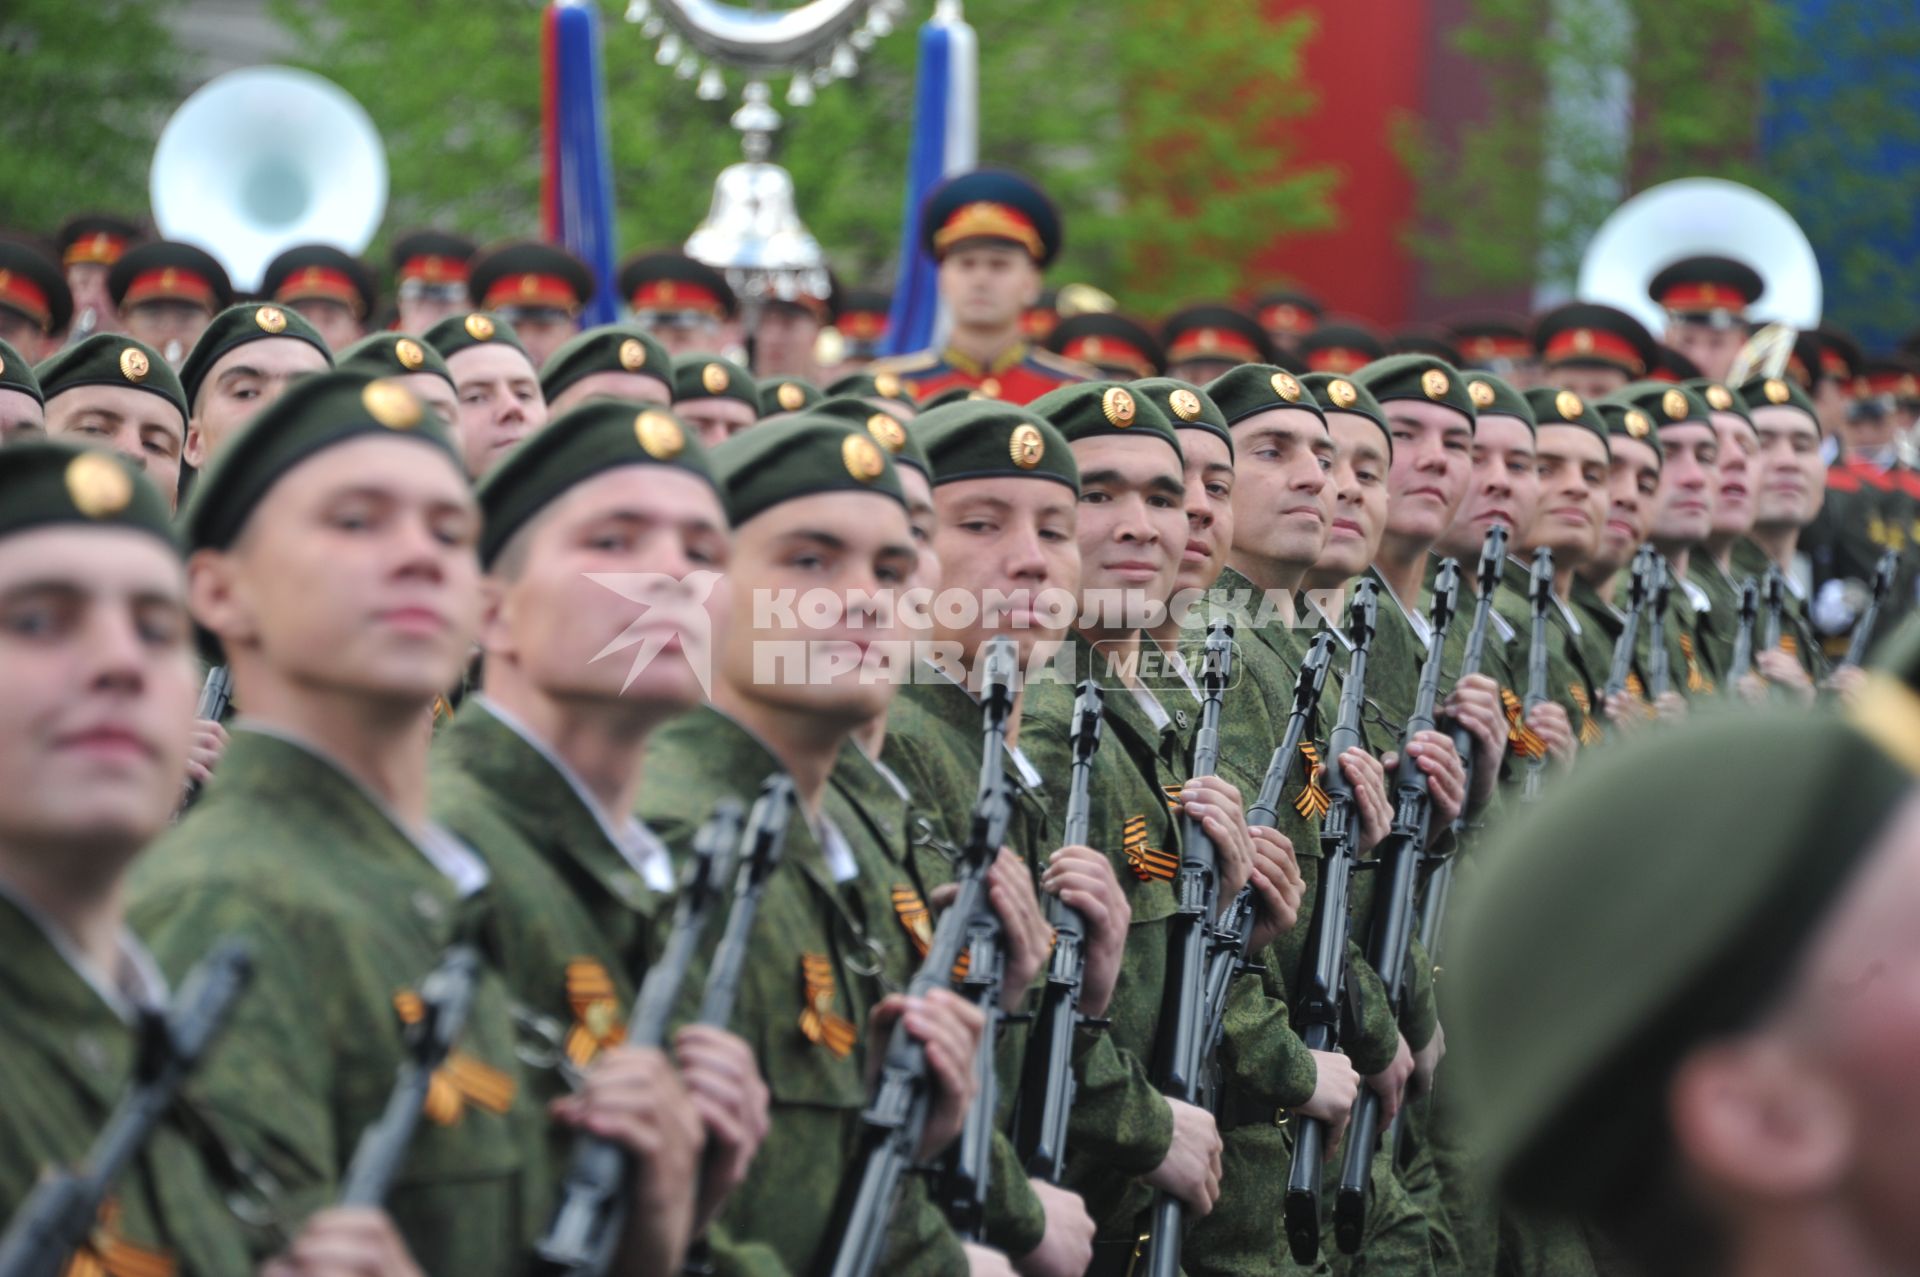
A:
[1117,406]
[98,485]
[1185,405]
[391,404]
[714,378]
[1481,393]
[1568,405]
[862,457]
[792,398]
[660,436]
[887,384]
[1286,386]
[632,355]
[1583,340]
[408,352]
[1342,393]
[1674,404]
[1719,398]
[891,434]
[134,365]
[271,319]
[1776,390]
[1434,384]
[1026,446]
[479,327]
[1639,425]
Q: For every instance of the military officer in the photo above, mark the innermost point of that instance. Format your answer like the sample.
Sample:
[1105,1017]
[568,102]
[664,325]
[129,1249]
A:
[242,363]
[430,278]
[865,314]
[1202,342]
[783,395]
[1689,480]
[23,408]
[415,365]
[993,233]
[117,393]
[1341,347]
[1206,447]
[1712,590]
[1591,349]
[89,246]
[1497,344]
[1287,315]
[686,305]
[536,288]
[1790,482]
[619,361]
[1111,343]
[332,562]
[786,333]
[167,293]
[98,683]
[333,290]
[35,304]
[495,383]
[1706,300]
[715,396]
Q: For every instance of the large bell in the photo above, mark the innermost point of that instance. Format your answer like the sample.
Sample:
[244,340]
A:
[752,230]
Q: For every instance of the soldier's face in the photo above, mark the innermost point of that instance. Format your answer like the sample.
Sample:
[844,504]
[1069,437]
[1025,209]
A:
[717,420]
[355,575]
[1574,494]
[1633,489]
[87,281]
[239,384]
[1689,476]
[21,417]
[636,386]
[685,333]
[432,390]
[1358,483]
[783,341]
[1503,487]
[1792,477]
[1009,542]
[1209,505]
[1590,382]
[988,285]
[1132,525]
[1711,349]
[1197,371]
[1733,499]
[830,556]
[1432,459]
[139,425]
[500,402]
[421,306]
[97,687]
[613,593]
[339,326]
[923,521]
[1831,400]
[1282,494]
[544,331]
[170,327]
[25,335]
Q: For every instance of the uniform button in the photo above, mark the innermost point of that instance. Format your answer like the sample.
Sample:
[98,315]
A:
[427,905]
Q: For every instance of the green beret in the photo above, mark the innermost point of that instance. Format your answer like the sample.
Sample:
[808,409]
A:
[1186,405]
[788,394]
[1660,901]
[1253,388]
[1665,403]
[1777,392]
[236,326]
[1094,409]
[1720,397]
[456,333]
[608,348]
[1420,377]
[1494,396]
[952,394]
[799,456]
[1553,407]
[711,377]
[575,446]
[44,481]
[314,414]
[872,385]
[1338,392]
[1624,421]
[17,374]
[110,359]
[886,429]
[992,440]
[394,355]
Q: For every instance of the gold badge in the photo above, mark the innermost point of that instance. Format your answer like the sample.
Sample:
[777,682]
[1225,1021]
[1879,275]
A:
[887,385]
[1092,348]
[1583,340]
[1117,406]
[1185,404]
[391,404]
[1776,390]
[1286,386]
[791,397]
[134,365]
[1639,425]
[1481,393]
[1719,398]
[1434,384]
[660,436]
[271,319]
[1568,405]
[98,485]
[1674,404]
[714,378]
[632,355]
[408,352]
[1026,446]
[862,457]
[479,327]
[1342,393]
[891,434]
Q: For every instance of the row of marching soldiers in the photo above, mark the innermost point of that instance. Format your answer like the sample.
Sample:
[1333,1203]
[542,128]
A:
[705,931]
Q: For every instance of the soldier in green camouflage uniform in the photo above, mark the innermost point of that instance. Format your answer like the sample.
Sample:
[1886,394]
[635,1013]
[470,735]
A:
[342,606]
[1633,486]
[96,694]
[1788,490]
[814,503]
[1682,521]
[1714,590]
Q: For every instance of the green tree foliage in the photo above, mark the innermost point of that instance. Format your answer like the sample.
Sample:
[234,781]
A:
[87,85]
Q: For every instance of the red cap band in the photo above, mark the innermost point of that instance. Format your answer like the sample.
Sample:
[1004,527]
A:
[676,294]
[100,248]
[24,295]
[1594,345]
[169,283]
[1204,343]
[1697,296]
[433,268]
[1109,351]
[983,219]
[530,289]
[319,282]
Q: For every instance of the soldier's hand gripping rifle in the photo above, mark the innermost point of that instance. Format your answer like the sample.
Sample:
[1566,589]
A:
[1775,597]
[1659,667]
[1183,1009]
[895,1119]
[446,995]
[216,693]
[1741,662]
[1539,604]
[1046,1083]
[1863,628]
[1322,992]
[1404,850]
[1639,585]
[596,1191]
[64,1208]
